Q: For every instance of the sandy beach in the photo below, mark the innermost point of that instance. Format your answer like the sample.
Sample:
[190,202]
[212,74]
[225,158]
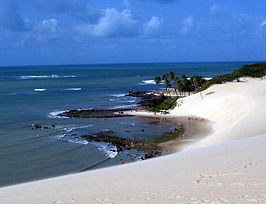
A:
[226,164]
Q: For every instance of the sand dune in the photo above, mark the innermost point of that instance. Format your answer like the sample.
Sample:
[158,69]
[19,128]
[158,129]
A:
[236,109]
[227,166]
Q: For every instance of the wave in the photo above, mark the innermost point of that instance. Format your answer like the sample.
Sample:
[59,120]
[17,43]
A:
[72,89]
[124,106]
[55,114]
[70,129]
[131,101]
[39,90]
[53,76]
[148,81]
[109,149]
[72,139]
[118,95]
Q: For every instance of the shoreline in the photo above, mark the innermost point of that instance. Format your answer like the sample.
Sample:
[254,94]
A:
[195,130]
[226,166]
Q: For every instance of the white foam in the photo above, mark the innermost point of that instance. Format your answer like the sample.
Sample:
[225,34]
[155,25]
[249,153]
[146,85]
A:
[109,149]
[53,76]
[124,106]
[72,139]
[78,141]
[148,81]
[39,90]
[55,114]
[118,95]
[130,101]
[206,78]
[72,89]
[79,127]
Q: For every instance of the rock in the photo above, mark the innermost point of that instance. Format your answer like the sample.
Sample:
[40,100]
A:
[137,93]
[122,144]
[94,113]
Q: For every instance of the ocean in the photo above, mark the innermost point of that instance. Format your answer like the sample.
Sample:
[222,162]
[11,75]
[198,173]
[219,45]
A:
[35,94]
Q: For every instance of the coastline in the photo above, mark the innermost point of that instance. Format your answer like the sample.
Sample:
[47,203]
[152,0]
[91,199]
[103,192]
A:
[195,130]
[228,165]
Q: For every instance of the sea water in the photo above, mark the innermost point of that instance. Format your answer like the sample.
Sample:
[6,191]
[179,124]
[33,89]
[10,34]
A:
[36,94]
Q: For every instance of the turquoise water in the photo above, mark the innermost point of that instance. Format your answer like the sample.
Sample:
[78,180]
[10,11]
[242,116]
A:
[33,94]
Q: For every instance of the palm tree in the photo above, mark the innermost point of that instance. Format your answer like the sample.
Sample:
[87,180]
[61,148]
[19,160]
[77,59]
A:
[164,77]
[167,84]
[171,75]
[197,82]
[180,86]
[157,79]
[186,84]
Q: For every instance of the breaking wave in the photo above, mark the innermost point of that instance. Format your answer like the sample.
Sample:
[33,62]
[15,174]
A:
[53,76]
[72,89]
[39,90]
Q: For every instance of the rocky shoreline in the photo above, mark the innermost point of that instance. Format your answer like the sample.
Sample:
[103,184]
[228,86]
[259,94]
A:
[151,148]
[94,113]
[147,100]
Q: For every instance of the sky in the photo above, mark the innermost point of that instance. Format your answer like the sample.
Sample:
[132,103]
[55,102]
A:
[43,32]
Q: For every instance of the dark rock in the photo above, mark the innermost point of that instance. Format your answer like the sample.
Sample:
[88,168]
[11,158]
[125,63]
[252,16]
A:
[149,147]
[94,113]
[137,93]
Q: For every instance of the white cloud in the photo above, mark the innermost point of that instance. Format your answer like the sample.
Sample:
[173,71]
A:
[112,24]
[49,25]
[217,9]
[46,26]
[152,27]
[263,23]
[187,25]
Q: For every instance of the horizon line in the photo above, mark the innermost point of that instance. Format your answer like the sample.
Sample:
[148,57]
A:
[133,63]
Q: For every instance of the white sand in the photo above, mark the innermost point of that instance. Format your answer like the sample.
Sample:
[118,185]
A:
[228,166]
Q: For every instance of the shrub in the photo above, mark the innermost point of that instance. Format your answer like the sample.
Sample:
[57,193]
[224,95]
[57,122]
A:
[253,70]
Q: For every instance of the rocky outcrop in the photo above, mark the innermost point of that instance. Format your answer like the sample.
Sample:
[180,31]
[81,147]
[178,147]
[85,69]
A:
[94,113]
[151,147]
[38,126]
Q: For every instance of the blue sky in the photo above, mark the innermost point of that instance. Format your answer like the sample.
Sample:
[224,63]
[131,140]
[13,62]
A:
[124,31]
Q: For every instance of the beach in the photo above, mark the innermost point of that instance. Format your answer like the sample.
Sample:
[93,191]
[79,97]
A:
[226,166]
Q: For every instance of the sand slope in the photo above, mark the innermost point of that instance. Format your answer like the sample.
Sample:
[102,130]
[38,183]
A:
[231,172]
[236,109]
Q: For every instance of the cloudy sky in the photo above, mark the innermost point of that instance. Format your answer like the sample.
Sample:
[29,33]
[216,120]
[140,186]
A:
[124,31]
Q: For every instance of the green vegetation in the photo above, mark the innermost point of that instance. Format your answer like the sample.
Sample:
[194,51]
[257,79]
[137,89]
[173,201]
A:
[166,104]
[253,70]
[183,84]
